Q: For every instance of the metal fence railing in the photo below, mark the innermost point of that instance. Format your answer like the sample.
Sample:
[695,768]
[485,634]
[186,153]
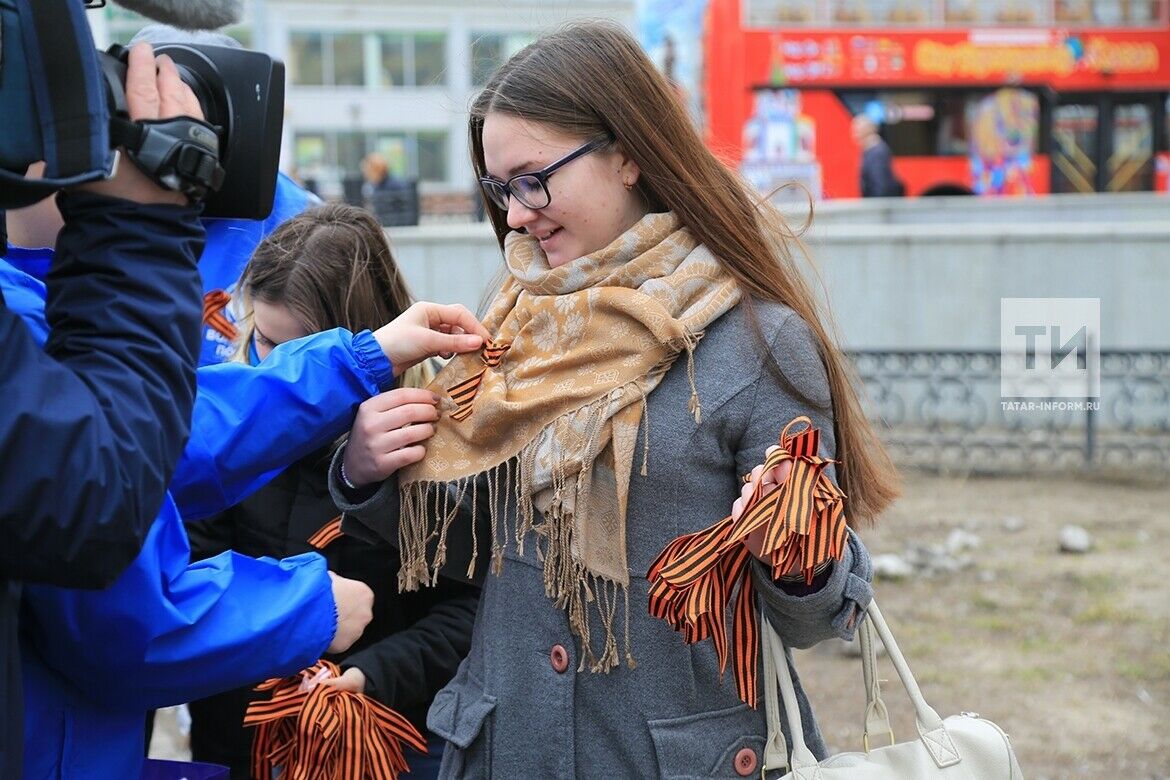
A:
[942,409]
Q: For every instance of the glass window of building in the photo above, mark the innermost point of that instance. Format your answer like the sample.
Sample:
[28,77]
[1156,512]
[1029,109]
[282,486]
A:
[336,155]
[412,59]
[351,148]
[430,59]
[392,49]
[306,58]
[394,148]
[432,156]
[490,50]
[348,68]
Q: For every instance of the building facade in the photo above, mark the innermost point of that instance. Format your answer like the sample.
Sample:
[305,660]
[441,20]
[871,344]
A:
[389,77]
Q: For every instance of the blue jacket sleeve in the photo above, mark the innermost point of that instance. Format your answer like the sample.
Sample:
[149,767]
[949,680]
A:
[93,425]
[250,422]
[168,631]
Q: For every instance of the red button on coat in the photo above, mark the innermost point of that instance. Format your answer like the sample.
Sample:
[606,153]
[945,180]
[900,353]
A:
[559,657]
[745,762]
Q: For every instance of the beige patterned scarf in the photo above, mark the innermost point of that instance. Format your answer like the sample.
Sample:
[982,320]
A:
[549,418]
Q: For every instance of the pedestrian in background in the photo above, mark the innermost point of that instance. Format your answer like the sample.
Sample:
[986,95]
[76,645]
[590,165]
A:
[877,171]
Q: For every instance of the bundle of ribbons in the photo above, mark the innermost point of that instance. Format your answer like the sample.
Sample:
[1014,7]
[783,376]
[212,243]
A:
[694,580]
[308,731]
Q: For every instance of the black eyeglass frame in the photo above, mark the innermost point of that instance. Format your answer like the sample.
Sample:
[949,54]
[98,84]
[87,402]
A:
[498,191]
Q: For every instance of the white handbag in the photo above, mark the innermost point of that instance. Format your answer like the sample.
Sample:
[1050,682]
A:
[962,747]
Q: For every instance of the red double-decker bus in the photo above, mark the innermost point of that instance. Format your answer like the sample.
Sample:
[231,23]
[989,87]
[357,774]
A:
[982,96]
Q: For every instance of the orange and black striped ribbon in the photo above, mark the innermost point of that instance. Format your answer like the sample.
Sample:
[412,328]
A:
[463,394]
[308,731]
[694,578]
[327,534]
[214,303]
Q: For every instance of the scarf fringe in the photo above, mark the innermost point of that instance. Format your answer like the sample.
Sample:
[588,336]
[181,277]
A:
[688,342]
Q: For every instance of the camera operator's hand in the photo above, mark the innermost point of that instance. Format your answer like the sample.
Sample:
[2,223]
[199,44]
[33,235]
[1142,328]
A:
[428,329]
[355,610]
[150,94]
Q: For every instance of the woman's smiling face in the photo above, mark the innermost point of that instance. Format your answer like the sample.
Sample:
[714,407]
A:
[590,204]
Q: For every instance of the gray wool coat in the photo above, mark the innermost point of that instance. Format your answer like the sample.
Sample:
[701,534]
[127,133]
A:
[510,713]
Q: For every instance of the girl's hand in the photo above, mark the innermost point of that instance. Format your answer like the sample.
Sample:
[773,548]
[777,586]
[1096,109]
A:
[352,679]
[770,480]
[388,433]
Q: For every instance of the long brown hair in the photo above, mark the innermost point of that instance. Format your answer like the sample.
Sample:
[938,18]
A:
[590,79]
[330,266]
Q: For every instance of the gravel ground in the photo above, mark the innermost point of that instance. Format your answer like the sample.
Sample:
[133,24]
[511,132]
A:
[1070,654]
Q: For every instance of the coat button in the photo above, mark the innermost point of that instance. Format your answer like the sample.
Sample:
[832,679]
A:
[559,657]
[745,762]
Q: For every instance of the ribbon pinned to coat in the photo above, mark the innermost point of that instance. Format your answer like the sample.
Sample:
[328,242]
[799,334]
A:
[308,731]
[693,580]
[327,534]
[463,394]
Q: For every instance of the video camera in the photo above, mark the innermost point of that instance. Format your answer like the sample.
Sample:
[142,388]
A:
[64,102]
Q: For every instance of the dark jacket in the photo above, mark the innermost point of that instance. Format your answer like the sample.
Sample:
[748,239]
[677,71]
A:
[95,421]
[173,627]
[411,648]
[877,173]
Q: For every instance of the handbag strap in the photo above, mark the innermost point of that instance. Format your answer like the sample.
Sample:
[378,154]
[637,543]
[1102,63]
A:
[803,761]
[877,717]
[931,730]
[775,749]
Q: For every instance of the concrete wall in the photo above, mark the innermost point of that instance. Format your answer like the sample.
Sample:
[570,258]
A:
[895,284]
[1120,207]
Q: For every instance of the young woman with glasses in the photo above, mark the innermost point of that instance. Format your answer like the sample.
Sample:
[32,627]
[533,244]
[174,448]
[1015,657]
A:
[653,336]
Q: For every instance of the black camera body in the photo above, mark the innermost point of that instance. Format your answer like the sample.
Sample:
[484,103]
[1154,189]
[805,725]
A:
[241,93]
[64,102]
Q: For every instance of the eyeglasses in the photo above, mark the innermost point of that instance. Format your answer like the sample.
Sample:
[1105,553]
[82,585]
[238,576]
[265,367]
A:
[531,188]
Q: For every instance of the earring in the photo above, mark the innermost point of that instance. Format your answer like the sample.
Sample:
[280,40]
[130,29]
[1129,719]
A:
[629,185]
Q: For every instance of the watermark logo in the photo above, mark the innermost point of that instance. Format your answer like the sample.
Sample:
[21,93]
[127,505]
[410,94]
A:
[1050,349]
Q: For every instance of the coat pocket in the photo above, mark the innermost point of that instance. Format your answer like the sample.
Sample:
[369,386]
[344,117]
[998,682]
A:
[461,714]
[722,744]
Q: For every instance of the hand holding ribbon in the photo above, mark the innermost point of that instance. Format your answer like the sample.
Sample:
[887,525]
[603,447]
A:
[311,729]
[792,518]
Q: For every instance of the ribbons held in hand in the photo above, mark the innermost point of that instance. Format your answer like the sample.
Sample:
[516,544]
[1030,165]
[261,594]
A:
[694,579]
[308,730]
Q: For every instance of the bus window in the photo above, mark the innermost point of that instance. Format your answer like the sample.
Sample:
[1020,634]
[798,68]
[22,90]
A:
[996,11]
[770,13]
[1074,147]
[1127,13]
[1131,165]
[882,12]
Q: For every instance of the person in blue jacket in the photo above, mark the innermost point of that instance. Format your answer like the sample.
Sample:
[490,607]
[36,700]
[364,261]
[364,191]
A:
[106,402]
[165,631]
